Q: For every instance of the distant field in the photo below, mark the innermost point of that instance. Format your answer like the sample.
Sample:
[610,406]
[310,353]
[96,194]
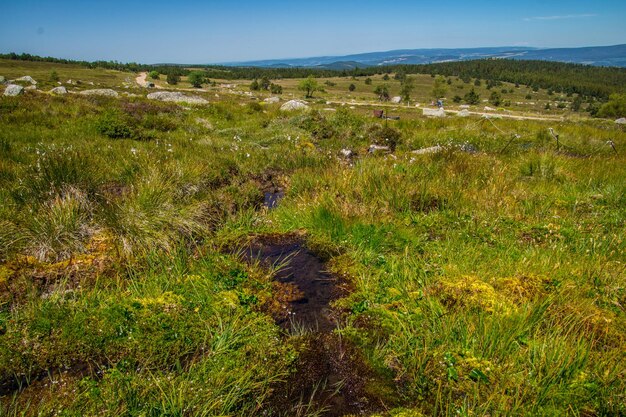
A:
[233,259]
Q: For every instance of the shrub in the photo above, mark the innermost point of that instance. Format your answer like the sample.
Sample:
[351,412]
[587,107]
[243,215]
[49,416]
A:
[54,77]
[113,125]
[384,136]
[154,75]
[196,78]
[368,81]
[472,97]
[352,87]
[616,106]
[276,89]
[172,78]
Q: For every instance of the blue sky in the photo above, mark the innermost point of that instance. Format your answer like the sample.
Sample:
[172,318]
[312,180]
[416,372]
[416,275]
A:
[154,31]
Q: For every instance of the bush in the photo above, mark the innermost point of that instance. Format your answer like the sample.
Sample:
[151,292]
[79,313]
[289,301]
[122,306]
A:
[472,97]
[352,87]
[54,77]
[276,89]
[112,125]
[384,136]
[172,78]
[616,107]
[196,78]
[368,81]
[154,75]
[254,85]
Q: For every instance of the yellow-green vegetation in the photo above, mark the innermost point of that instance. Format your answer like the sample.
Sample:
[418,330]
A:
[487,278]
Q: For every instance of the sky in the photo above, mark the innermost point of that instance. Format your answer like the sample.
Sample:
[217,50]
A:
[200,32]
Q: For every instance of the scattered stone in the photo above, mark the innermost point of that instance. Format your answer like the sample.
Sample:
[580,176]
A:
[59,90]
[27,79]
[434,112]
[621,121]
[396,99]
[463,113]
[272,100]
[294,105]
[70,82]
[204,123]
[176,97]
[106,92]
[13,90]
[464,106]
[431,149]
[31,87]
[487,108]
[492,116]
[347,153]
[376,148]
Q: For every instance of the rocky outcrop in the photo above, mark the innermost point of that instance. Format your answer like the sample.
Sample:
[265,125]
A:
[176,97]
[13,90]
[27,79]
[105,92]
[434,112]
[59,90]
[294,105]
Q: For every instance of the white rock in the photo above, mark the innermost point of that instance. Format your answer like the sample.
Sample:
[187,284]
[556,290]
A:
[272,100]
[621,121]
[487,108]
[464,106]
[176,97]
[434,112]
[13,90]
[376,148]
[294,105]
[106,92]
[463,113]
[432,149]
[31,87]
[396,99]
[59,90]
[347,153]
[27,79]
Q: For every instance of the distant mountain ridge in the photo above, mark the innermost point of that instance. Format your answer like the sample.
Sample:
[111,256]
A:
[593,55]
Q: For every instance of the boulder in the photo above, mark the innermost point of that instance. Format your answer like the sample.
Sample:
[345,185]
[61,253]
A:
[27,79]
[621,121]
[294,105]
[106,92]
[396,99]
[463,113]
[434,112]
[272,100]
[176,97]
[59,90]
[464,106]
[487,108]
[431,149]
[31,87]
[346,153]
[13,90]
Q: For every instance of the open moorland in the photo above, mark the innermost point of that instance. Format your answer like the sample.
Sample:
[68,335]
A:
[213,253]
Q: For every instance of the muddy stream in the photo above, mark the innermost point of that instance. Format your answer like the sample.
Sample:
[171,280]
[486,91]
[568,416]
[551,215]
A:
[330,375]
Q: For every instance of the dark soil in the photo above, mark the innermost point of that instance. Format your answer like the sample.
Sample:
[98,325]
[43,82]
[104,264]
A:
[330,375]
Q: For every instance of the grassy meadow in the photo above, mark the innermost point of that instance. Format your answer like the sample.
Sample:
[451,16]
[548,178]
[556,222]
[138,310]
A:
[485,279]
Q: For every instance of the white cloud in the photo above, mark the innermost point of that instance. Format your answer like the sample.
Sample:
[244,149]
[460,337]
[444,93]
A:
[560,17]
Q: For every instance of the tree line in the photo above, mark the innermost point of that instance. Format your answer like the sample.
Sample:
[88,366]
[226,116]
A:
[585,80]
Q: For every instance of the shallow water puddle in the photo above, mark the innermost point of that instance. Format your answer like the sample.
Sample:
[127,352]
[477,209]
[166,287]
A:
[330,373]
[272,198]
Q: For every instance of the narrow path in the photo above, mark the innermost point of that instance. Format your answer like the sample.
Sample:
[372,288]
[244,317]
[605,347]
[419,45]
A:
[141,79]
[493,115]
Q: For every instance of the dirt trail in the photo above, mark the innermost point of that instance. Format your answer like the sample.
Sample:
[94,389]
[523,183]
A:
[141,79]
[419,109]
[330,373]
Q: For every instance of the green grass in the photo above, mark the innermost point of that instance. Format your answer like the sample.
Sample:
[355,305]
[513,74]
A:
[486,283]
